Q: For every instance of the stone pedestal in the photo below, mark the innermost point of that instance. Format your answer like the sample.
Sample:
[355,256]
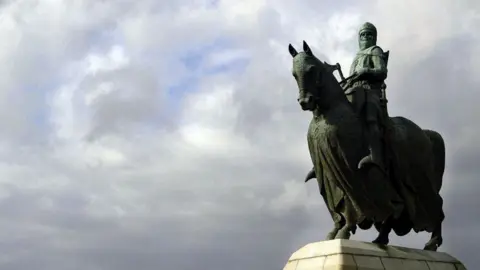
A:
[355,255]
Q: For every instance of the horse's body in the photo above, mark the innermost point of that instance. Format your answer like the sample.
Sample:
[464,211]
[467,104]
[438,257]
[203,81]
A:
[408,199]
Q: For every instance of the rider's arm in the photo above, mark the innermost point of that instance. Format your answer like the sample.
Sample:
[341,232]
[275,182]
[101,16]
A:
[379,66]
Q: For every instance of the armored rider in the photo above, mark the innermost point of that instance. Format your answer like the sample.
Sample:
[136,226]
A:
[367,73]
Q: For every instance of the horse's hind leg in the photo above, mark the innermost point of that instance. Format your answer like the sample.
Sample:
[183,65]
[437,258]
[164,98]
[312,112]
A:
[436,239]
[383,233]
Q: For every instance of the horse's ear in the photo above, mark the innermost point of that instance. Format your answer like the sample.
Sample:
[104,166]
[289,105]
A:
[292,50]
[307,49]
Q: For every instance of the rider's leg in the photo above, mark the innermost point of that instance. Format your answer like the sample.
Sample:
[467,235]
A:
[374,135]
[357,98]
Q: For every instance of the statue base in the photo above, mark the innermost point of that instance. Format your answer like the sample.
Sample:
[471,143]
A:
[355,255]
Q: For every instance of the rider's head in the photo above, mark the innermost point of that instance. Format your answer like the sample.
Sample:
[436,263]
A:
[367,36]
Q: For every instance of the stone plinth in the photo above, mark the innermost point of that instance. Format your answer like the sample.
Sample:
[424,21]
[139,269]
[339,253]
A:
[355,255]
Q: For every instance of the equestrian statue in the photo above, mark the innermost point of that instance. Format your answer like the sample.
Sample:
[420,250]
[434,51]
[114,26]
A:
[372,169]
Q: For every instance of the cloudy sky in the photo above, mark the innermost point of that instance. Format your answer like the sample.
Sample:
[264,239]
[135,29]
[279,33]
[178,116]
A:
[165,134]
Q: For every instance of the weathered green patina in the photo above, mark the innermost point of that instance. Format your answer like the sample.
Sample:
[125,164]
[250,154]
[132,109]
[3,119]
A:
[364,90]
[338,139]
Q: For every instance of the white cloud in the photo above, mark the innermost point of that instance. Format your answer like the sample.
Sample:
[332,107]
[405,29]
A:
[226,57]
[115,59]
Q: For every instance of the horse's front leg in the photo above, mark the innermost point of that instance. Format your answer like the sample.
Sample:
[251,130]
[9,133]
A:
[346,231]
[349,227]
[338,222]
[349,222]
[333,233]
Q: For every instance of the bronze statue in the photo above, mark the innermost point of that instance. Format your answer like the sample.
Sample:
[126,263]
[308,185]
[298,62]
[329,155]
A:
[339,138]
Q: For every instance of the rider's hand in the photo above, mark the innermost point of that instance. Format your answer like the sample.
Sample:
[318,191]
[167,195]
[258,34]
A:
[361,71]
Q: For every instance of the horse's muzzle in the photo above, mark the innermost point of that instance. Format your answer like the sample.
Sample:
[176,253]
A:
[306,103]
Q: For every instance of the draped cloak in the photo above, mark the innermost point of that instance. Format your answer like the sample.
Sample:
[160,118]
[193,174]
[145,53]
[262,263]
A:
[335,141]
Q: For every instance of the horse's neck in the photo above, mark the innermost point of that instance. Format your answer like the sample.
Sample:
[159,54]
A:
[331,96]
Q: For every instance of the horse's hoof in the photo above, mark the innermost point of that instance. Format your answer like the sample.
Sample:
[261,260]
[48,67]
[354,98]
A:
[381,241]
[343,234]
[331,236]
[433,244]
[431,247]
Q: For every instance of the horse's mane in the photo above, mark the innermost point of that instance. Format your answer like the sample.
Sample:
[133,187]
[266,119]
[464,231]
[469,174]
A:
[330,86]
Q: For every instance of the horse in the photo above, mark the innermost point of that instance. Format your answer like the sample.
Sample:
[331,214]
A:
[407,198]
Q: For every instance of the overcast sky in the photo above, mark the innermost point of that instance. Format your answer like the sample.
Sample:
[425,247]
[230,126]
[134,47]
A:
[147,134]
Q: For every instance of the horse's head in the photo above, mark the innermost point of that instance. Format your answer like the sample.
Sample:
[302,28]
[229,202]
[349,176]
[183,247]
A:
[311,75]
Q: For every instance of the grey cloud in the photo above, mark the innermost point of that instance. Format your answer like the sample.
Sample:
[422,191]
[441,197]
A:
[135,99]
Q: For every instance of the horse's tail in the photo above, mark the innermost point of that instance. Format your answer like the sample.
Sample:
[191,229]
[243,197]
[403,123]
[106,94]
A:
[438,149]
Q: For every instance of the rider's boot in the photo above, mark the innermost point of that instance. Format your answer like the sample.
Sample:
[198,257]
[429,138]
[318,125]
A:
[375,157]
